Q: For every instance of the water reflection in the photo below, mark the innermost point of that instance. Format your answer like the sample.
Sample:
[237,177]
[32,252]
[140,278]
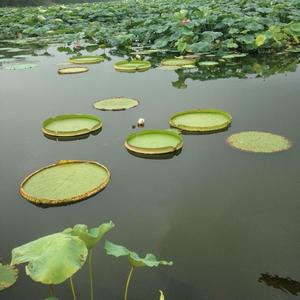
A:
[71,138]
[286,285]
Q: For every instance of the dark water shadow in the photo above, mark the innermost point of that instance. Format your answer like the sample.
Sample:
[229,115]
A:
[155,156]
[71,138]
[287,285]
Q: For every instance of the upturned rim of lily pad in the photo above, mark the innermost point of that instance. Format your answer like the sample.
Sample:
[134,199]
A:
[132,65]
[135,103]
[201,128]
[62,133]
[158,150]
[89,59]
[72,70]
[231,142]
[178,62]
[54,202]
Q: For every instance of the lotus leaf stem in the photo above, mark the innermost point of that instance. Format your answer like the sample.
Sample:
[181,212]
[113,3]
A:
[127,283]
[91,275]
[73,289]
[51,290]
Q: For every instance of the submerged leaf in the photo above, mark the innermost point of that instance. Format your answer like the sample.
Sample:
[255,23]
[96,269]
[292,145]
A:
[51,259]
[148,261]
[8,276]
[20,66]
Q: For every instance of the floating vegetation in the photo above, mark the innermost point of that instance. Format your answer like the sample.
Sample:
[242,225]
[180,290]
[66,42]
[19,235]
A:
[117,103]
[65,182]
[178,62]
[152,142]
[234,55]
[201,120]
[169,68]
[8,276]
[132,66]
[71,125]
[20,66]
[259,142]
[134,259]
[208,63]
[51,259]
[86,59]
[72,70]
[148,52]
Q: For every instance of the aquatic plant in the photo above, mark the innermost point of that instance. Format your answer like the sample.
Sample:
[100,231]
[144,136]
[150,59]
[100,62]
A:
[134,259]
[8,276]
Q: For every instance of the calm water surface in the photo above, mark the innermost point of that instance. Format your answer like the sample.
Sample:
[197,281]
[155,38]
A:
[224,217]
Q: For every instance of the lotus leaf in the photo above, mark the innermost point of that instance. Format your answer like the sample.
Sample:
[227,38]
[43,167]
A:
[20,66]
[90,236]
[208,63]
[72,70]
[234,55]
[132,66]
[179,62]
[169,68]
[8,276]
[65,182]
[51,259]
[201,120]
[118,103]
[259,142]
[154,142]
[148,261]
[71,125]
[86,59]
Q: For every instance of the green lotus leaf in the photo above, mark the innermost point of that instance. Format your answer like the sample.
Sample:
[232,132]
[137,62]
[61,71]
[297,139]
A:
[148,52]
[86,59]
[208,63]
[71,125]
[259,142]
[148,261]
[260,40]
[8,276]
[20,66]
[51,259]
[154,142]
[169,68]
[295,27]
[65,182]
[132,66]
[179,62]
[72,70]
[118,103]
[90,236]
[201,120]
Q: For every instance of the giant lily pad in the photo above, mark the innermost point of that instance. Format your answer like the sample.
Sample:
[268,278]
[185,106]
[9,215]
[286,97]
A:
[132,66]
[90,236]
[259,142]
[8,276]
[86,59]
[51,259]
[119,103]
[72,70]
[135,260]
[71,125]
[179,62]
[154,142]
[65,182]
[201,120]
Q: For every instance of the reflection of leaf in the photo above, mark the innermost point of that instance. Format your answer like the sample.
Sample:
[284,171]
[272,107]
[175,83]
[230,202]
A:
[149,260]
[51,298]
[8,276]
[51,259]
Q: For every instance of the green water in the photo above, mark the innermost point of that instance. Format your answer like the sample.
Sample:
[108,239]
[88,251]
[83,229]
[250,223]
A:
[224,217]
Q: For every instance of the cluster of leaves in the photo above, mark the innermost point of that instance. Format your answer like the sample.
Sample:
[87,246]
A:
[195,26]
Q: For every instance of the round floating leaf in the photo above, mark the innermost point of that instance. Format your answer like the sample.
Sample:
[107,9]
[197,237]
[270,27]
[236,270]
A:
[201,120]
[86,59]
[147,52]
[71,125]
[20,66]
[259,142]
[148,261]
[208,63]
[234,55]
[90,236]
[132,66]
[169,68]
[65,182]
[8,276]
[72,70]
[51,259]
[118,103]
[179,62]
[154,142]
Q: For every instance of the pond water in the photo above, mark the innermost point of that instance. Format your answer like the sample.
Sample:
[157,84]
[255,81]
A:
[226,218]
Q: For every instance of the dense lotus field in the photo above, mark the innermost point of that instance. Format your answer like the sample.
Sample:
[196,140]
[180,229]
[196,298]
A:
[195,26]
